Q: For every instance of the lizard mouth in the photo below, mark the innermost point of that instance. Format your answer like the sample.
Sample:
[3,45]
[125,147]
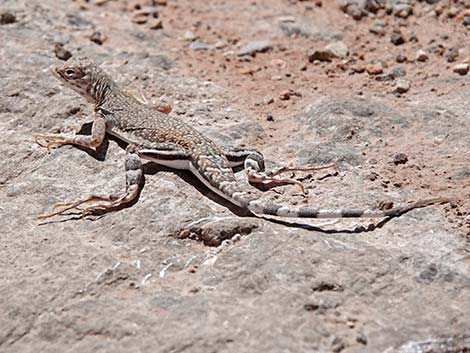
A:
[55,71]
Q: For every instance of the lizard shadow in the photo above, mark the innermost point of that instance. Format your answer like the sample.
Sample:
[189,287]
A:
[356,230]
[153,168]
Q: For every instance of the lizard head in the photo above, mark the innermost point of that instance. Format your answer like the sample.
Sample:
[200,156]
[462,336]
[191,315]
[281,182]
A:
[84,77]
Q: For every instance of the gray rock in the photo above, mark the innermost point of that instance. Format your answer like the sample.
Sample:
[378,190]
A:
[305,28]
[398,71]
[355,8]
[339,49]
[400,8]
[309,153]
[378,28]
[252,48]
[337,118]
[198,45]
[402,86]
[79,22]
[359,8]
[456,343]
[453,11]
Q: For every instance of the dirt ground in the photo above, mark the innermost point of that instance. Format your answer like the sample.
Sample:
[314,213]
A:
[379,87]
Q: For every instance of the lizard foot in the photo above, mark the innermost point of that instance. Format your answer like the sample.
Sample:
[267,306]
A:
[273,182]
[67,206]
[286,169]
[270,178]
[104,204]
[51,141]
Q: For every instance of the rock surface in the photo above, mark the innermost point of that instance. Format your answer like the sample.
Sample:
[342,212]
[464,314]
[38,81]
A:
[142,279]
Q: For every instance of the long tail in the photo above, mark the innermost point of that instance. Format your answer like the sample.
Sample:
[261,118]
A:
[283,211]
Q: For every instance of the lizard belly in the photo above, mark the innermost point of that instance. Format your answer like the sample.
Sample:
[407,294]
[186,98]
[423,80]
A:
[182,164]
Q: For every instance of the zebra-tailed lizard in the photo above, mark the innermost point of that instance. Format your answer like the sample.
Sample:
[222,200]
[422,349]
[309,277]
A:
[169,141]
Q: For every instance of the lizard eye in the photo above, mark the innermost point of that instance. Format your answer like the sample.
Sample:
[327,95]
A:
[69,72]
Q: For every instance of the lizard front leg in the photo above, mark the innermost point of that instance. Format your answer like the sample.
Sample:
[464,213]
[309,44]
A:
[134,174]
[94,140]
[254,165]
[162,152]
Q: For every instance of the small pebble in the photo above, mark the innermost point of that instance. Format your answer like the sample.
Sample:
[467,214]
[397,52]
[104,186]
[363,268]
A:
[421,55]
[98,38]
[361,338]
[338,48]
[466,21]
[311,307]
[284,96]
[373,176]
[140,18]
[198,45]
[398,72]
[378,28]
[269,117]
[400,158]
[401,8]
[413,38]
[7,18]
[268,100]
[320,55]
[452,55]
[252,48]
[374,69]
[62,53]
[461,69]
[221,44]
[359,69]
[402,86]
[397,37]
[189,35]
[453,11]
[401,58]
[156,24]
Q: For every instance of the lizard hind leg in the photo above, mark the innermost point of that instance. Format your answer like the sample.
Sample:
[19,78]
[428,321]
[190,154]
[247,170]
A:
[108,203]
[256,172]
[271,176]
